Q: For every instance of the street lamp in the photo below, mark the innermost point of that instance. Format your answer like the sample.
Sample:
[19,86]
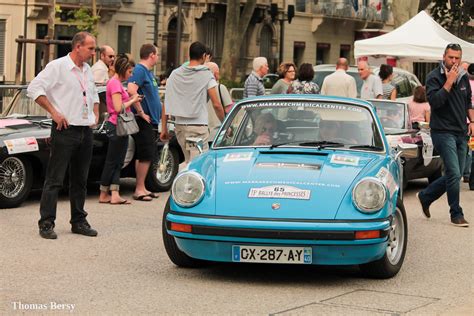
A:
[178,32]
[274,15]
[25,31]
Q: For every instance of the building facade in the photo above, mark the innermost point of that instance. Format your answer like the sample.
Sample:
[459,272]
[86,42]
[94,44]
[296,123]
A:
[319,32]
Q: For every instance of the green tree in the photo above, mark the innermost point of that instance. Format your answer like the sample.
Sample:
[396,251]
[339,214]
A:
[86,21]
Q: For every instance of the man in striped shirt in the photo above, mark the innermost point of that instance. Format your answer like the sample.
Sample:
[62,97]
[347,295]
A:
[254,83]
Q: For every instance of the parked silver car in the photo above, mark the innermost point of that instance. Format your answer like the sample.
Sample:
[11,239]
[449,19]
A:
[403,80]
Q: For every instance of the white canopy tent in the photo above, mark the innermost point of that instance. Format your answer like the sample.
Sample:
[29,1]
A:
[419,39]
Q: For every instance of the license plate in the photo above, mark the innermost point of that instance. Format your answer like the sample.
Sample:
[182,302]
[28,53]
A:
[271,254]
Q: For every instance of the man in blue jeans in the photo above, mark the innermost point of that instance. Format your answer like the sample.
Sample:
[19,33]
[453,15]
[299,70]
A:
[449,96]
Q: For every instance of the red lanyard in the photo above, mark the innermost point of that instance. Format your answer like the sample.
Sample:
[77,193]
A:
[83,86]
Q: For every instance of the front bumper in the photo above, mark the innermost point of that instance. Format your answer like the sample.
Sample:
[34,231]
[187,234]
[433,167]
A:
[332,242]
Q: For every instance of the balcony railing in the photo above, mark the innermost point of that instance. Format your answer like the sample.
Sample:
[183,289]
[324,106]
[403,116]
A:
[105,3]
[345,9]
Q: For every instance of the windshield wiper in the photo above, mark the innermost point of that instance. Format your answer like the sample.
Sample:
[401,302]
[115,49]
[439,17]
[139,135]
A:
[318,144]
[366,147]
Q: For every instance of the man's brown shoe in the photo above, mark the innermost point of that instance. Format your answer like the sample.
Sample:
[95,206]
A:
[460,222]
[426,209]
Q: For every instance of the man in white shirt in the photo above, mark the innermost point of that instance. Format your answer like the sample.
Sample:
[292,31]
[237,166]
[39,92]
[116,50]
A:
[223,95]
[66,89]
[372,86]
[340,83]
[101,68]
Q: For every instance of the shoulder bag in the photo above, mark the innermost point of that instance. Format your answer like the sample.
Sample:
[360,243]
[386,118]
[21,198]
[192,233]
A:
[126,124]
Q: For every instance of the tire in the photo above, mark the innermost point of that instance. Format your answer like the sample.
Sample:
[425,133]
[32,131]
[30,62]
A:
[160,181]
[404,182]
[16,179]
[176,256]
[389,265]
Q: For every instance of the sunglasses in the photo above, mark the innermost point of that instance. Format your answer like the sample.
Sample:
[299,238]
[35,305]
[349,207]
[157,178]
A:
[454,46]
[111,56]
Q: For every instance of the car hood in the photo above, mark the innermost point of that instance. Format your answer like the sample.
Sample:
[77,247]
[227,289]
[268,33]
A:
[283,183]
[12,128]
[17,128]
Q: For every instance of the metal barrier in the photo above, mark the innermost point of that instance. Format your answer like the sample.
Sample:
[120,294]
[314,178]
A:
[238,93]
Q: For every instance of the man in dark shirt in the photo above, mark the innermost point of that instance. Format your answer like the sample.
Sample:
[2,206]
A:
[449,96]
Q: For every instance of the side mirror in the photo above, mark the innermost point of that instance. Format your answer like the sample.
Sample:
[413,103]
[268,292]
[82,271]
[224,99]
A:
[106,117]
[195,142]
[407,150]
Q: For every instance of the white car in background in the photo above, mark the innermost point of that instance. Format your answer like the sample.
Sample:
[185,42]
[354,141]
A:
[403,80]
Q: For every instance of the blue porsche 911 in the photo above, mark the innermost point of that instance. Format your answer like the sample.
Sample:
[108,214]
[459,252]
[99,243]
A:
[293,180]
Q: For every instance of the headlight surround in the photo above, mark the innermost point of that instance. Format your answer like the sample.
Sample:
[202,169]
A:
[188,189]
[369,195]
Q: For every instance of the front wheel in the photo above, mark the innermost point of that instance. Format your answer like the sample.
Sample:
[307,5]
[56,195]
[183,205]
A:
[389,265]
[178,257]
[161,175]
[16,179]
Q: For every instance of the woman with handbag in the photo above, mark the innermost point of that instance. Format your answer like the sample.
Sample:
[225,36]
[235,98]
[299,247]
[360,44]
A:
[118,104]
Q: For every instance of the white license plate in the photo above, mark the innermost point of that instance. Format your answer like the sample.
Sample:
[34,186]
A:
[271,254]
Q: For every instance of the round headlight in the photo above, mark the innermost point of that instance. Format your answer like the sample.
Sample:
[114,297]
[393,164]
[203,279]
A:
[188,189]
[369,195]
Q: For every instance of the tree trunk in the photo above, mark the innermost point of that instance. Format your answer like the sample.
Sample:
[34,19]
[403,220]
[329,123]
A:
[51,24]
[235,28]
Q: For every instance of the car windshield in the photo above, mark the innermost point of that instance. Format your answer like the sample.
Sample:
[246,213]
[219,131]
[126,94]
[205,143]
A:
[300,123]
[17,104]
[391,114]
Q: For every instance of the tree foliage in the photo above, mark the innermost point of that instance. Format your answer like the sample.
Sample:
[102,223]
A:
[82,18]
[454,19]
[441,13]
[87,22]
